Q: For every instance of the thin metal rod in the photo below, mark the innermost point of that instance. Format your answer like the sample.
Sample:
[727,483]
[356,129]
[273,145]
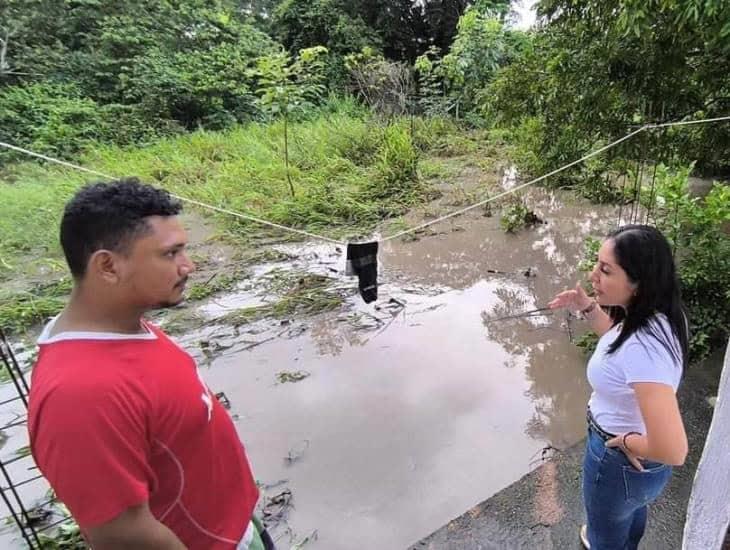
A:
[650,205]
[529,313]
[16,518]
[623,189]
[55,524]
[14,424]
[640,180]
[637,175]
[13,460]
[8,401]
[24,482]
[14,362]
[23,511]
[6,362]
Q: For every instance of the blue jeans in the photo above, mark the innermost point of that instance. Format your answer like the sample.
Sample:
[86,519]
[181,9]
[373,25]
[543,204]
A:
[616,494]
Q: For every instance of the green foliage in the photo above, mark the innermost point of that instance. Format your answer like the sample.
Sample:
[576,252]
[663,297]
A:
[22,310]
[78,72]
[517,216]
[349,177]
[56,119]
[435,133]
[587,342]
[286,86]
[593,68]
[477,52]
[456,82]
[589,259]
[396,167]
[67,537]
[433,96]
[49,118]
[333,24]
[697,229]
[289,87]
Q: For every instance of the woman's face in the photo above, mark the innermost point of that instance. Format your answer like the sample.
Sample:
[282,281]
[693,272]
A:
[610,282]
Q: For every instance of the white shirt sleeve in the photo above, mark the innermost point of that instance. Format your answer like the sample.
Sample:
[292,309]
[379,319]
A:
[649,361]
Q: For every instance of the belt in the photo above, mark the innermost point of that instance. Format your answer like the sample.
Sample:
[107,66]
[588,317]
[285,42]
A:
[593,425]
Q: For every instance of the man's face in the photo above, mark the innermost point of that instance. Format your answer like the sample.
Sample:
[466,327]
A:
[155,268]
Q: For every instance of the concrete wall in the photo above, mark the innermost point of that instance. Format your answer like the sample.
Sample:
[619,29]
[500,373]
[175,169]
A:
[708,511]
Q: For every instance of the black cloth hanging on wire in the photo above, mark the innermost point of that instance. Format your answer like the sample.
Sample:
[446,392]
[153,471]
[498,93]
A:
[362,260]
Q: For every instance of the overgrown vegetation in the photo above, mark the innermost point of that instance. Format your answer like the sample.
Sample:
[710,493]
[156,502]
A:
[516,215]
[302,112]
[80,79]
[699,230]
[296,295]
[352,172]
[23,309]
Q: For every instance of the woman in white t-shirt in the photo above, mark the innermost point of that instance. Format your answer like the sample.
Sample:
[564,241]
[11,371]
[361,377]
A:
[635,430]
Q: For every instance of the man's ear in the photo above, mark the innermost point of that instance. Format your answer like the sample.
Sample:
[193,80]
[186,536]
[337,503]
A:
[103,264]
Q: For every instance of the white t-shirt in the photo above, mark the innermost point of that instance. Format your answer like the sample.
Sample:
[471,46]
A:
[641,358]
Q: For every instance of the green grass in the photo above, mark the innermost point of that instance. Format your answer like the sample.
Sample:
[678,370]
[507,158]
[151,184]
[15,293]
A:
[300,294]
[215,284]
[20,310]
[348,172]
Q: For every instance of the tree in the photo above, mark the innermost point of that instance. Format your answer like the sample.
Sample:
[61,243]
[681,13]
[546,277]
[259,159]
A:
[597,67]
[182,63]
[482,46]
[289,87]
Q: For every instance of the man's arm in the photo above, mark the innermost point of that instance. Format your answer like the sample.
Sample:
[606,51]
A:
[135,528]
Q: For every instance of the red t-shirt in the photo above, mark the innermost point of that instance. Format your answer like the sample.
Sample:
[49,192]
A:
[119,420]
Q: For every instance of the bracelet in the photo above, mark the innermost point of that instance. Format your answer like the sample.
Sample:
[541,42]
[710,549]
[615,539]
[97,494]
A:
[623,440]
[590,308]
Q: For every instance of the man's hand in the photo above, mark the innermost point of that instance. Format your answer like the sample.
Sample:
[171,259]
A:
[135,528]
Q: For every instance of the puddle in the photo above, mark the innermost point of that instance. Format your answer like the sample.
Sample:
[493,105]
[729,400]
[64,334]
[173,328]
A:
[414,409]
[244,296]
[411,415]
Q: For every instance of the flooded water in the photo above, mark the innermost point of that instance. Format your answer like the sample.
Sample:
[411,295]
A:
[411,415]
[419,407]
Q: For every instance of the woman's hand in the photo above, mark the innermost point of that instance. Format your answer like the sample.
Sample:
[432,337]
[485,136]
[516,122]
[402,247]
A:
[576,299]
[619,442]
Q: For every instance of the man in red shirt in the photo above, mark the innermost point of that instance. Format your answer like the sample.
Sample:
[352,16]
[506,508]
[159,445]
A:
[121,424]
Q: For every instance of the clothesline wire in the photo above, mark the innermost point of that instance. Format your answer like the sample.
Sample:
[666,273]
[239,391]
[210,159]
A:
[514,189]
[180,198]
[400,233]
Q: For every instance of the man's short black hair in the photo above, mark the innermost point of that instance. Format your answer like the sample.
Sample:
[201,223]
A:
[108,216]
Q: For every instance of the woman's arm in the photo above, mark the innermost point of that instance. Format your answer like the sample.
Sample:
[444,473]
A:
[578,301]
[665,440]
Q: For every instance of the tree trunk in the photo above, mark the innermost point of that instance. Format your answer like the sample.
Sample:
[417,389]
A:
[286,152]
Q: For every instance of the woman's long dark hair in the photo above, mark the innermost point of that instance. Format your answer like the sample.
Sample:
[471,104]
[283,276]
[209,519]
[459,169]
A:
[646,257]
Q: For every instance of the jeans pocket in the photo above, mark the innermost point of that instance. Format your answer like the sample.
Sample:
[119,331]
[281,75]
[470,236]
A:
[644,487]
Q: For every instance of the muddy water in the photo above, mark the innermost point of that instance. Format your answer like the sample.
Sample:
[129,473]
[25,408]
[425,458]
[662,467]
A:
[410,415]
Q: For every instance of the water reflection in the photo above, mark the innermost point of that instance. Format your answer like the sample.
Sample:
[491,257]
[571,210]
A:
[540,343]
